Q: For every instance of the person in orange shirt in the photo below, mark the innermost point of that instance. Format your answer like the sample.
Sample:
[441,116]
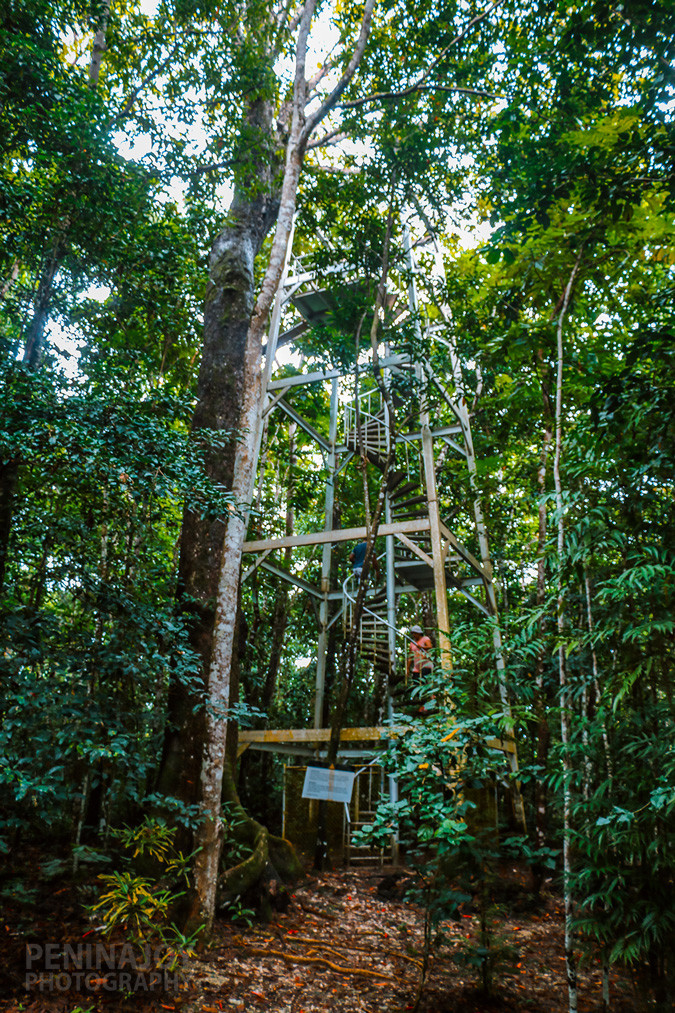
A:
[421,664]
[418,659]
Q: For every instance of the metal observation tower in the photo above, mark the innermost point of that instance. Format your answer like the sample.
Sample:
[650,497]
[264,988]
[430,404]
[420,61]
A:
[422,555]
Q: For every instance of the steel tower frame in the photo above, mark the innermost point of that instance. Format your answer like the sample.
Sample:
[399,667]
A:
[299,288]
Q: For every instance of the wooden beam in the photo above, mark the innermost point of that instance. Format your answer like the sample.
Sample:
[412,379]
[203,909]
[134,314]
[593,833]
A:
[328,374]
[290,578]
[462,550]
[373,734]
[416,549]
[316,735]
[336,535]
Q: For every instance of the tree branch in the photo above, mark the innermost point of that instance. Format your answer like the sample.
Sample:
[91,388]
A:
[324,69]
[381,95]
[284,26]
[316,117]
[417,85]
[335,169]
[333,137]
[200,169]
[128,105]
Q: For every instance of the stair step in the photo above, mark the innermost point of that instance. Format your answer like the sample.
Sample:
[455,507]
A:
[403,490]
[413,501]
[395,479]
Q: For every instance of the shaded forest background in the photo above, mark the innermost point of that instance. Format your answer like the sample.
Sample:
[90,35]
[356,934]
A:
[539,145]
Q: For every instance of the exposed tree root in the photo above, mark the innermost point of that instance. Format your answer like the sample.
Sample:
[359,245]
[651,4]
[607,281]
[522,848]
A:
[358,949]
[297,958]
[260,877]
[315,911]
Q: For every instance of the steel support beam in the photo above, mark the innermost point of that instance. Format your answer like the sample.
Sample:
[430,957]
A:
[322,643]
[336,535]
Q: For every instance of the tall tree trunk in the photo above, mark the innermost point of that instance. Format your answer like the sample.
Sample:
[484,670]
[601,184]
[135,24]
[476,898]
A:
[221,646]
[570,959]
[231,397]
[221,391]
[540,703]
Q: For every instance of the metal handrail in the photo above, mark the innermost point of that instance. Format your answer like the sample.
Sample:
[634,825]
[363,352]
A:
[379,618]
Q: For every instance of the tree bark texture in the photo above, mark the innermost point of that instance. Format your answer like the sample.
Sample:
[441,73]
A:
[220,389]
[218,692]
[231,397]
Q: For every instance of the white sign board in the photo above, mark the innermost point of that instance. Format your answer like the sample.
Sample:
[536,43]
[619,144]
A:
[335,785]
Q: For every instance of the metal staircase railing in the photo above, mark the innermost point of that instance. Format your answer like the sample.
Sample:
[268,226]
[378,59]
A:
[372,432]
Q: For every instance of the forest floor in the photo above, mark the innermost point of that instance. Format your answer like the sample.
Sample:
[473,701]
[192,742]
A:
[348,942]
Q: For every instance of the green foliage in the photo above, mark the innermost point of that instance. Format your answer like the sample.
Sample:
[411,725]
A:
[546,131]
[623,873]
[139,907]
[238,914]
[444,765]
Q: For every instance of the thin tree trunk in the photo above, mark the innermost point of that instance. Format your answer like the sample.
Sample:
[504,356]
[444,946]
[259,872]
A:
[570,960]
[99,46]
[34,340]
[543,730]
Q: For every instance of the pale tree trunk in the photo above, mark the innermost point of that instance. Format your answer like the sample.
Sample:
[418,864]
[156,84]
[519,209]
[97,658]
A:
[249,402]
[609,768]
[540,703]
[570,959]
[222,385]
[218,697]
